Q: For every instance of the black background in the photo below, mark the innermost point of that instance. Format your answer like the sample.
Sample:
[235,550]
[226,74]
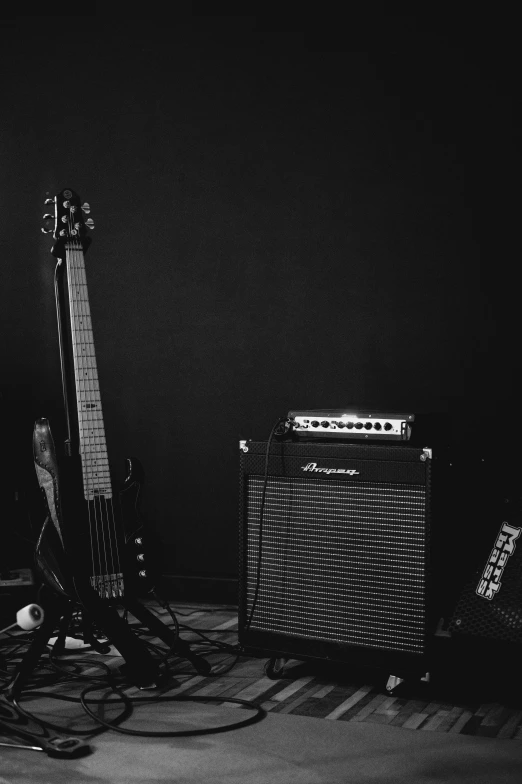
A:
[291,212]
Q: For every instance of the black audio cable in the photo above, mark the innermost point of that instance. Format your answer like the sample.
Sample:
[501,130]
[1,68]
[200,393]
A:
[13,713]
[282,429]
[117,696]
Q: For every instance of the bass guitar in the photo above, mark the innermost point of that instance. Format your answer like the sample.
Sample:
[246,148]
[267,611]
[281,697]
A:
[107,535]
[90,551]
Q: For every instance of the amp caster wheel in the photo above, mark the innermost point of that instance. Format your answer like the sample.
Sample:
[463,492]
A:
[275,668]
[394,682]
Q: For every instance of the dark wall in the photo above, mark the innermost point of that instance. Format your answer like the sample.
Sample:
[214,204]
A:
[282,221]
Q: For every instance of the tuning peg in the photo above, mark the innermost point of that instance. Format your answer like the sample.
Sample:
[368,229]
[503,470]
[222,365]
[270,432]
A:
[89,223]
[49,201]
[48,216]
[46,231]
[86,207]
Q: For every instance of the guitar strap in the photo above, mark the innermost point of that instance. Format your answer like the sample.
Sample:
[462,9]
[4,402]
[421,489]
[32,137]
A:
[46,467]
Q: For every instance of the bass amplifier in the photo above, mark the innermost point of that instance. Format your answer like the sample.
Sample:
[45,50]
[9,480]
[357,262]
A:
[334,552]
[490,604]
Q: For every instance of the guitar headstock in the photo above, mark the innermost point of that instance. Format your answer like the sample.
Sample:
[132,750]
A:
[69,223]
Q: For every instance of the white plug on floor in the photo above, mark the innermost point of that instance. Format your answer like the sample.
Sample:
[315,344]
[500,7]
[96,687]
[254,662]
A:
[29,617]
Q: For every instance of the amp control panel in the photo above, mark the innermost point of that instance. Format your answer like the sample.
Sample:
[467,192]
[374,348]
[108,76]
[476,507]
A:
[342,423]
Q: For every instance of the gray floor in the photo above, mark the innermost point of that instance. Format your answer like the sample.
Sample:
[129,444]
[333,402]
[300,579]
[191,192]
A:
[279,749]
[283,747]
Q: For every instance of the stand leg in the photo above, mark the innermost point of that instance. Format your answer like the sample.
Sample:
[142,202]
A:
[157,627]
[141,669]
[59,645]
[52,614]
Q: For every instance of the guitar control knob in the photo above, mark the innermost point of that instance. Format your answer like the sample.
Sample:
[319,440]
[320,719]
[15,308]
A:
[368,426]
[388,426]
[140,557]
[359,425]
[325,423]
[142,573]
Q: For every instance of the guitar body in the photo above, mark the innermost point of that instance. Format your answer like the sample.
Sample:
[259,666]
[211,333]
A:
[62,550]
[140,554]
[51,561]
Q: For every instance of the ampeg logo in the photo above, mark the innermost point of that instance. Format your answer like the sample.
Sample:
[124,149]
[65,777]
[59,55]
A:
[489,583]
[313,467]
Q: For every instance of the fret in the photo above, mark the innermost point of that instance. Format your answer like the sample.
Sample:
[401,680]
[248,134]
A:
[95,467]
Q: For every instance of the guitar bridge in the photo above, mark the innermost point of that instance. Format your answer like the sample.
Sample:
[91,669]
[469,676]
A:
[108,586]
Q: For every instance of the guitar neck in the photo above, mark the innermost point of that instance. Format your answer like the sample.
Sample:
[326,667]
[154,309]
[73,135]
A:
[93,447]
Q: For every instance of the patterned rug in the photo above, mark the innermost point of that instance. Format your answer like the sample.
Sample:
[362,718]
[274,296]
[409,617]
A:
[329,695]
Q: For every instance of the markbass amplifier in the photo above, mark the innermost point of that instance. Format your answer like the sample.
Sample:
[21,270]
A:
[334,552]
[490,604]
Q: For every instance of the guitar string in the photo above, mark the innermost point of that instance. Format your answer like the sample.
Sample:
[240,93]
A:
[77,314]
[97,468]
[103,506]
[107,577]
[94,468]
[73,307]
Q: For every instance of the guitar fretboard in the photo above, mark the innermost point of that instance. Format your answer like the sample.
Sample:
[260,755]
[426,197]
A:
[93,447]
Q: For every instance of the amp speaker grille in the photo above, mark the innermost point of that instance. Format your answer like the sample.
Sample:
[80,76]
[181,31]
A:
[341,561]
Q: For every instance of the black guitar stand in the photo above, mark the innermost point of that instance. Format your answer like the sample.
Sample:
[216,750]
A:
[141,669]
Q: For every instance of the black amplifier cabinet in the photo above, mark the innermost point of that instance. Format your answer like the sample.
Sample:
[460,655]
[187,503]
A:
[339,568]
[490,602]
